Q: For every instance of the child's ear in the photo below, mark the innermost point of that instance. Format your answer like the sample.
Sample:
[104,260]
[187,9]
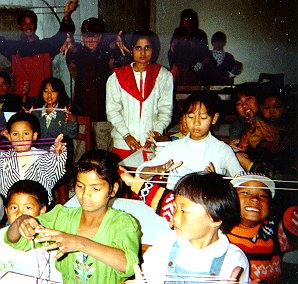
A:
[215,224]
[6,134]
[35,135]
[115,189]
[215,118]
[43,209]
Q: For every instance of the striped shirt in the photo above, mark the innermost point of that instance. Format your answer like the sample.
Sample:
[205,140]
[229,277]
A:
[44,167]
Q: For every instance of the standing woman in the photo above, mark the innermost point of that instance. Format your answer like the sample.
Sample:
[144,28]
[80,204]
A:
[189,45]
[139,96]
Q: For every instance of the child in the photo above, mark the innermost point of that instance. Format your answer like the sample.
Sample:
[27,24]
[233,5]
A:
[88,64]
[25,197]
[205,209]
[263,240]
[22,161]
[31,57]
[97,243]
[271,139]
[246,103]
[199,150]
[221,68]
[139,96]
[10,102]
[52,95]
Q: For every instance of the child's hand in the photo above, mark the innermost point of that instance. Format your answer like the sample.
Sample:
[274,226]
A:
[58,144]
[27,226]
[70,7]
[66,45]
[250,121]
[25,90]
[210,168]
[120,44]
[69,116]
[125,176]
[61,241]
[28,110]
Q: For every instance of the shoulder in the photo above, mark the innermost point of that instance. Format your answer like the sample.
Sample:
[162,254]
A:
[116,216]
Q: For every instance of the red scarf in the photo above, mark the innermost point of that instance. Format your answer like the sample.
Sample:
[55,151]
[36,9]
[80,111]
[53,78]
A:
[128,83]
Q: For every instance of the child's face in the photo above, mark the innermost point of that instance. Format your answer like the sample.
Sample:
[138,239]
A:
[192,222]
[246,104]
[50,97]
[28,27]
[254,203]
[23,203]
[198,122]
[272,109]
[142,51]
[4,87]
[91,41]
[21,136]
[218,45]
[93,192]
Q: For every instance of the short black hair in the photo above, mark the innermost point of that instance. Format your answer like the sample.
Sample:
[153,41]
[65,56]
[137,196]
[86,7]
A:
[211,101]
[26,13]
[6,77]
[104,163]
[93,26]
[23,116]
[219,36]
[215,194]
[151,37]
[268,90]
[247,89]
[57,86]
[30,187]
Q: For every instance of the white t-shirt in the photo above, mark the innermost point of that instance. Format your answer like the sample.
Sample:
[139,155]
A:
[196,155]
[191,258]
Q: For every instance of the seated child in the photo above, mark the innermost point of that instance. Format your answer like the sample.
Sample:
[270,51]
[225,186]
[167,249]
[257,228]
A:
[263,240]
[246,104]
[11,102]
[93,242]
[206,208]
[199,150]
[55,117]
[22,161]
[221,68]
[271,138]
[25,197]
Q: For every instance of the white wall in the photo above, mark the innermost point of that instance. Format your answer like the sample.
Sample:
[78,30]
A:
[261,34]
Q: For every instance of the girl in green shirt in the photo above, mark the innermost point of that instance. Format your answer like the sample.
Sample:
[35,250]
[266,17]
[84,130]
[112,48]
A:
[94,243]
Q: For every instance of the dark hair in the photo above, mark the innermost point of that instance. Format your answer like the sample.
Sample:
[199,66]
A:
[268,90]
[93,26]
[151,37]
[190,14]
[26,13]
[6,77]
[247,89]
[104,163]
[23,116]
[58,86]
[211,101]
[215,194]
[30,187]
[219,36]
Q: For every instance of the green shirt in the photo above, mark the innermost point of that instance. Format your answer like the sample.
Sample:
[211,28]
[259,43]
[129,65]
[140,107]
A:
[118,229]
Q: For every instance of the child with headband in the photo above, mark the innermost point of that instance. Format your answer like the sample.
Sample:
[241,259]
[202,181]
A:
[262,239]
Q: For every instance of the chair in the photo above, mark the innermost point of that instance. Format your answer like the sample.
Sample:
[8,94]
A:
[86,136]
[277,80]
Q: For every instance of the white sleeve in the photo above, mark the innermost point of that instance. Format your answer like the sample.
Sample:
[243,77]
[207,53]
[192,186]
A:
[230,162]
[165,102]
[114,105]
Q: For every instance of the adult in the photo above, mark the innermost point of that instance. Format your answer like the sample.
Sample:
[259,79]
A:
[139,96]
[189,45]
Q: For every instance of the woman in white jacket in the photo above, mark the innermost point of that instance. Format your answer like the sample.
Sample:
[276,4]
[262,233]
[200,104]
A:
[139,96]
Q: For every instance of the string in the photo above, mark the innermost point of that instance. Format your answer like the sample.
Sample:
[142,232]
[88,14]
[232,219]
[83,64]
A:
[49,108]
